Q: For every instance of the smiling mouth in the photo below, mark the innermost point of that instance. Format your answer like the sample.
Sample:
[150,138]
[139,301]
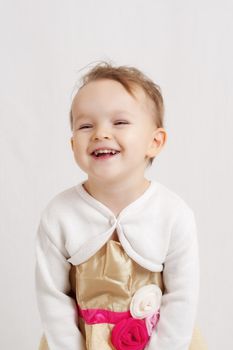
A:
[105,155]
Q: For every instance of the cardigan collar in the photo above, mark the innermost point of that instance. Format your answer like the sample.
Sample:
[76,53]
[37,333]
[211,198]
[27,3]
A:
[107,212]
[128,234]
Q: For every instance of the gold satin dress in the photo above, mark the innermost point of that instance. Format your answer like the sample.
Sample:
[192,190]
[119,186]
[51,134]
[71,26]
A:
[108,280]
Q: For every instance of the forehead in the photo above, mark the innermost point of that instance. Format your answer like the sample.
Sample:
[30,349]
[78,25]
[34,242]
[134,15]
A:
[106,94]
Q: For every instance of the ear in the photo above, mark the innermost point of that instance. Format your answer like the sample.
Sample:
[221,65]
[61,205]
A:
[159,138]
[72,143]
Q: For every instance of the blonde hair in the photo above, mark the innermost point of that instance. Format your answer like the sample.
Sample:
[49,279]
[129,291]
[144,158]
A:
[128,77]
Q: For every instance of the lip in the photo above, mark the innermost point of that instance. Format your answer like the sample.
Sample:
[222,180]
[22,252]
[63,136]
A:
[105,157]
[104,147]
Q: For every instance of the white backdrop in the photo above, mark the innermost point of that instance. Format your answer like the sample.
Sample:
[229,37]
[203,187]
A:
[186,47]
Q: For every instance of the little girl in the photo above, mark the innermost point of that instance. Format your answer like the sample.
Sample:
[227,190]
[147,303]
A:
[117,263]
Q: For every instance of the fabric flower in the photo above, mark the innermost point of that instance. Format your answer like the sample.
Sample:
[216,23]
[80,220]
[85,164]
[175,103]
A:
[146,301]
[129,334]
[151,322]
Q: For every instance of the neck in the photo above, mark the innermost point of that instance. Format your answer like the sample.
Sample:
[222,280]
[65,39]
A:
[117,196]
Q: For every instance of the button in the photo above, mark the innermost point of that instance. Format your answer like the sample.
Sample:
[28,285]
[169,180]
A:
[112,221]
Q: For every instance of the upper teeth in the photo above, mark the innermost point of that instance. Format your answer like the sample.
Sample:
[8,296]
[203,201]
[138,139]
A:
[105,151]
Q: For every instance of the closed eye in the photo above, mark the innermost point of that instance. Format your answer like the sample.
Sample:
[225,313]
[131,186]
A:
[85,126]
[122,122]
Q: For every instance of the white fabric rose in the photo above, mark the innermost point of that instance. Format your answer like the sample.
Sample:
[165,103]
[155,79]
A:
[146,301]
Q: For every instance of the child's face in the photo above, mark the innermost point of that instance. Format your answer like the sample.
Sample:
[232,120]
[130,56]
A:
[105,115]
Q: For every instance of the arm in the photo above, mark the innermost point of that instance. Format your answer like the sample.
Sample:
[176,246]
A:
[57,309]
[181,280]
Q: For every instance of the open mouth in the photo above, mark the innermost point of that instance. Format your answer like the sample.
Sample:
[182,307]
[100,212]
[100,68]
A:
[105,155]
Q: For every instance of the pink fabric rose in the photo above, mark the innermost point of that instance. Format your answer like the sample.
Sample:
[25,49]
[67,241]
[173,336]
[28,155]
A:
[130,334]
[151,322]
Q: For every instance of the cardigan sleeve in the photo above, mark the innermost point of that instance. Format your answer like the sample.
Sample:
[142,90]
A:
[181,280]
[57,309]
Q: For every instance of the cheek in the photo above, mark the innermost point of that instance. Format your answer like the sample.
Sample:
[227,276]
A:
[137,141]
[80,142]
[78,149]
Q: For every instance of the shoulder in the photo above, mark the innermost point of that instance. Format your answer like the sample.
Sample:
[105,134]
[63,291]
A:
[171,201]
[60,199]
[59,217]
[180,217]
[183,225]
[60,205]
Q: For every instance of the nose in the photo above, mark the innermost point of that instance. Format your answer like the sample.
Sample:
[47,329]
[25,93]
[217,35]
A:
[101,132]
